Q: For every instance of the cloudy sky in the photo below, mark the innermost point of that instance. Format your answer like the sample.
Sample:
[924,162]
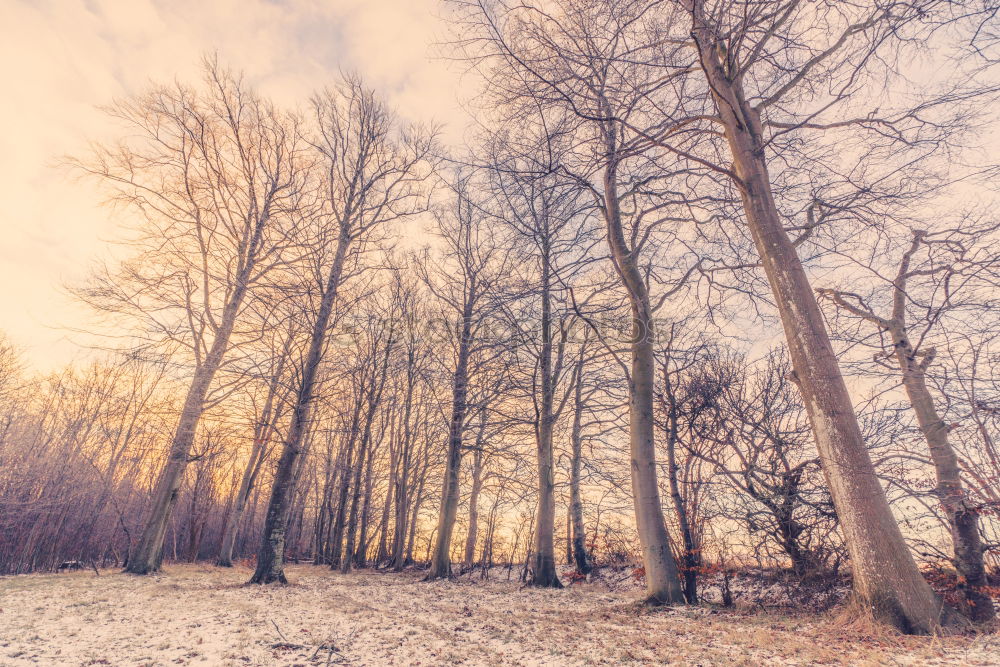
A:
[60,60]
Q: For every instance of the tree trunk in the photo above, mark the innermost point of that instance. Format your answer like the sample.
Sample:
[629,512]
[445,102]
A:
[346,470]
[262,434]
[346,559]
[662,583]
[580,555]
[225,558]
[361,480]
[691,559]
[471,538]
[361,553]
[418,501]
[963,520]
[441,558]
[148,553]
[401,489]
[544,555]
[382,552]
[886,579]
[270,559]
[414,516]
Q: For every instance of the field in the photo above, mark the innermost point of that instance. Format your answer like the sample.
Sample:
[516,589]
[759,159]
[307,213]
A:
[199,615]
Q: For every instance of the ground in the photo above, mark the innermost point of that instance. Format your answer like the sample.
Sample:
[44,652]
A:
[200,615]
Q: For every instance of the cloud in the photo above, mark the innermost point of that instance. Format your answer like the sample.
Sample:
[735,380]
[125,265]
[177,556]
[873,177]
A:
[62,59]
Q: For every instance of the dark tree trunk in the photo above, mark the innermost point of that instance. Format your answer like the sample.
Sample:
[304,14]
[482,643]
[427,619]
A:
[441,558]
[270,558]
[580,554]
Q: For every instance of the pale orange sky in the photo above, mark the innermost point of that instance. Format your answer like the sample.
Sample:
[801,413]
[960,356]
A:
[61,59]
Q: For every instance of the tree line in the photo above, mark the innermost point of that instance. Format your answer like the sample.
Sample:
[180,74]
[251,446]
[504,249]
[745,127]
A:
[343,342]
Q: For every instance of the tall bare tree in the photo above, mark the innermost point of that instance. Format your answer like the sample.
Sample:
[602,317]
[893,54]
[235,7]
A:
[374,173]
[758,68]
[939,274]
[576,62]
[466,282]
[216,175]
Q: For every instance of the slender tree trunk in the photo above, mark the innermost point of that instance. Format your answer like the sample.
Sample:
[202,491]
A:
[569,537]
[662,584]
[418,501]
[580,555]
[544,574]
[414,516]
[352,520]
[691,558]
[262,433]
[225,558]
[270,558]
[382,553]
[148,553]
[325,519]
[403,477]
[361,553]
[299,500]
[441,558]
[886,579]
[471,539]
[346,470]
[962,519]
[374,399]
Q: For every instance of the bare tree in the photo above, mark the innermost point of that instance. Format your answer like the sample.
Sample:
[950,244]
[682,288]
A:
[215,175]
[373,175]
[761,73]
[576,61]
[938,274]
[547,213]
[474,262]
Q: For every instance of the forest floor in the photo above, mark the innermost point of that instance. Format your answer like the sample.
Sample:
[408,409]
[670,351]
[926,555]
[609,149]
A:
[200,615]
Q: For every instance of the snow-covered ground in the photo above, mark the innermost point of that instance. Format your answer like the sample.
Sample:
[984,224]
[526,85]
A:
[200,615]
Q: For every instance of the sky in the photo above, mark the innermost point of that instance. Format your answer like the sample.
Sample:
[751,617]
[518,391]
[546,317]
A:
[61,60]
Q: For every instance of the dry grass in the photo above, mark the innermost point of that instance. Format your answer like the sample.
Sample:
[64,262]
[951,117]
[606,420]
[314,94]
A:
[200,615]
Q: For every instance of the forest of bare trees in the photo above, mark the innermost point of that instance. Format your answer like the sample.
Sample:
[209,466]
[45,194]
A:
[713,287]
